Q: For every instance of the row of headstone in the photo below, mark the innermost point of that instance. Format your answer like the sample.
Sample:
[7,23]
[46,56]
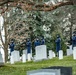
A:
[15,56]
[52,54]
[26,56]
[72,51]
[40,54]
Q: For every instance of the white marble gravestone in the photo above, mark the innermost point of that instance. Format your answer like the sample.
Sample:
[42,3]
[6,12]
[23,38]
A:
[24,56]
[12,59]
[60,54]
[54,54]
[15,55]
[29,56]
[40,52]
[50,54]
[68,52]
[1,59]
[74,53]
[71,50]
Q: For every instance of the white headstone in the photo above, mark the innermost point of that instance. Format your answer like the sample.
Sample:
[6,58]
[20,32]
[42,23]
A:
[24,56]
[71,50]
[74,53]
[12,59]
[15,55]
[68,52]
[1,59]
[40,52]
[29,56]
[25,52]
[60,54]
[54,54]
[50,54]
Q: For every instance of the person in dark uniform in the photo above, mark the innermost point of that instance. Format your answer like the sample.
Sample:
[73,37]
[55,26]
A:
[58,44]
[37,42]
[28,45]
[11,46]
[42,41]
[74,40]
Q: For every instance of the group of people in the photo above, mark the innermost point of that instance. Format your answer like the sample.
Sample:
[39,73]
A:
[38,42]
[58,42]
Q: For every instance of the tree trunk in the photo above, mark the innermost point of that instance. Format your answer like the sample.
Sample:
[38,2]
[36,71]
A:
[6,42]
[6,53]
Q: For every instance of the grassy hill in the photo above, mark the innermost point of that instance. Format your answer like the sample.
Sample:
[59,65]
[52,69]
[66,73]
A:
[20,68]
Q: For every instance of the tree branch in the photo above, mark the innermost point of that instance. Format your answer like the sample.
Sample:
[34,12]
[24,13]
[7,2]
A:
[4,2]
[36,7]
[43,7]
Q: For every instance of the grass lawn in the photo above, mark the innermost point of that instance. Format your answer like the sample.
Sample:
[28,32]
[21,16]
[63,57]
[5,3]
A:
[20,68]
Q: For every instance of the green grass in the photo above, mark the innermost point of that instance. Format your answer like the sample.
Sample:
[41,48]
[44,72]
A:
[20,68]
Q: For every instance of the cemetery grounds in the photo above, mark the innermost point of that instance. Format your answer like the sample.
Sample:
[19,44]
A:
[20,68]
